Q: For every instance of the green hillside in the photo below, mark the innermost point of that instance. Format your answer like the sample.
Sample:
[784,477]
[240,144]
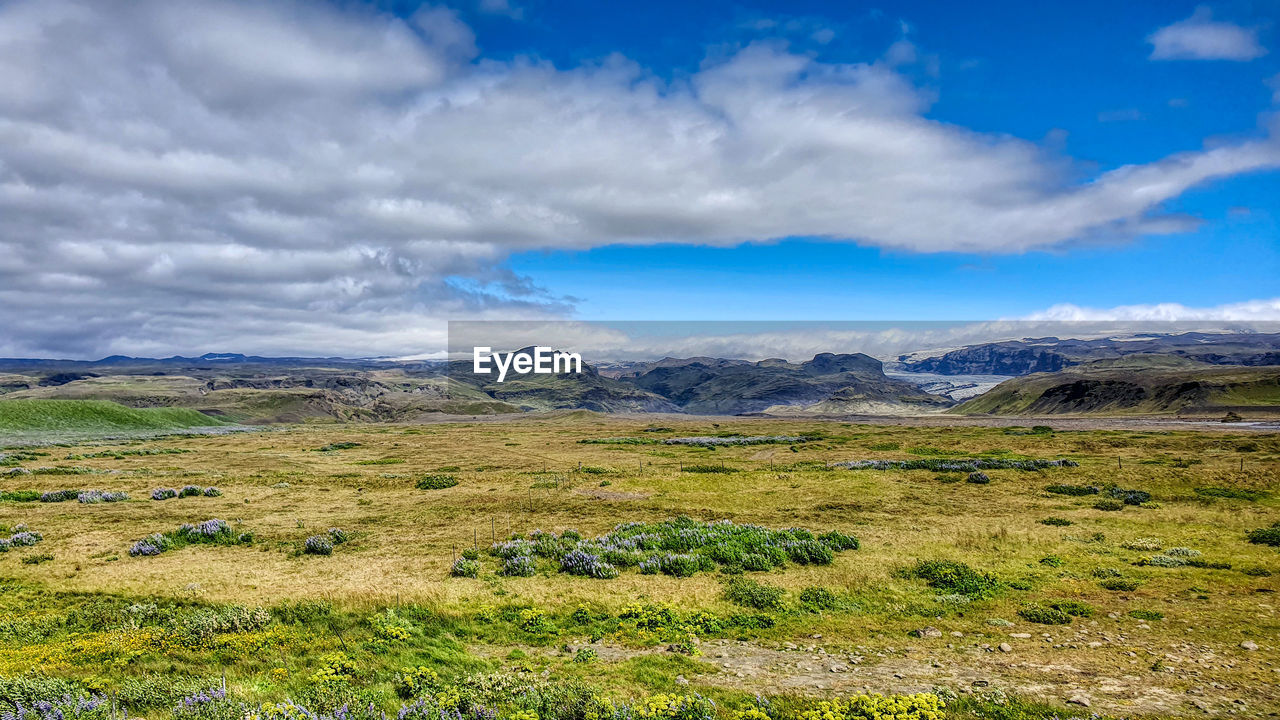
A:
[1139,385]
[94,415]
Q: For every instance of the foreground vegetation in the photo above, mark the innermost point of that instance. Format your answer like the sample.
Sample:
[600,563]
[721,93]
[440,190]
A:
[520,568]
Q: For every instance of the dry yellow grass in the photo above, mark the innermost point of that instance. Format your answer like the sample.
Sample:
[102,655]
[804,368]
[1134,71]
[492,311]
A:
[523,474]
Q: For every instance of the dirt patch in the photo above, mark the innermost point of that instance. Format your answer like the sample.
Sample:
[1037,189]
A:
[979,670]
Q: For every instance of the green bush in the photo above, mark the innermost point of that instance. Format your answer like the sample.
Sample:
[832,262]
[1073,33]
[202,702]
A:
[955,577]
[436,482]
[1056,522]
[1266,536]
[1109,505]
[817,599]
[1074,490]
[1146,615]
[839,541]
[1120,584]
[1044,615]
[1052,561]
[1074,608]
[752,594]
[709,469]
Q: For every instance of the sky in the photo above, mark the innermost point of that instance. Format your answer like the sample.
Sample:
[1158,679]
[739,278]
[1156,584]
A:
[342,178]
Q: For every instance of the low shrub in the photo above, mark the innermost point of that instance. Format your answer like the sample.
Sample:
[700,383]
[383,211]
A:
[1183,552]
[1151,615]
[1052,561]
[955,577]
[921,706]
[1120,584]
[1208,564]
[318,545]
[464,567]
[338,446]
[579,562]
[708,469]
[1129,497]
[92,497]
[752,594]
[1056,522]
[436,482]
[1109,505]
[978,478]
[209,532]
[1074,608]
[817,599]
[518,566]
[1143,544]
[1165,561]
[1266,536]
[57,496]
[1044,615]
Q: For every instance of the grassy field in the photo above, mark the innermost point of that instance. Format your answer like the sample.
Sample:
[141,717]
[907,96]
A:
[1163,606]
[93,415]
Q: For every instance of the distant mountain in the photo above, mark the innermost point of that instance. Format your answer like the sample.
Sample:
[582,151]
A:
[847,383]
[588,390]
[1051,354]
[1137,384]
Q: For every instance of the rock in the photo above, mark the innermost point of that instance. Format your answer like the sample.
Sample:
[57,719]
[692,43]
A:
[1249,645]
[682,680]
[1080,700]
[1006,647]
[838,668]
[957,633]
[1022,636]
[927,632]
[816,636]
[980,683]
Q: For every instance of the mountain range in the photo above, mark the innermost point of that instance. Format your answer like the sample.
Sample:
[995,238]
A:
[1191,374]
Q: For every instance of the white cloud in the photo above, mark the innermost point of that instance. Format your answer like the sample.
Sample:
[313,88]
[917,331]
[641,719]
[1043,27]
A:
[1200,37]
[1248,311]
[303,177]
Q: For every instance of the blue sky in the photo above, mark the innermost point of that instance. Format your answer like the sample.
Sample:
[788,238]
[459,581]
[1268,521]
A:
[1075,77]
[345,177]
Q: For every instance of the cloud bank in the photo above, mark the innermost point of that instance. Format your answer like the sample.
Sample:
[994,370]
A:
[309,178]
[1200,37]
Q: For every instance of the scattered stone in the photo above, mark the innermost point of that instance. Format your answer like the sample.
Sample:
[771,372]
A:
[1249,645]
[956,633]
[1006,647]
[682,680]
[1080,700]
[838,668]
[927,632]
[1022,636]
